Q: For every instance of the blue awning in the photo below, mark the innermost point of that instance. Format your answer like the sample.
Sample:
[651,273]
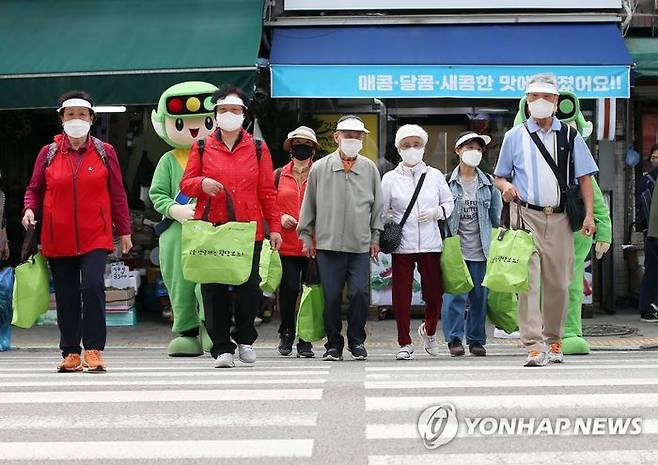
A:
[476,60]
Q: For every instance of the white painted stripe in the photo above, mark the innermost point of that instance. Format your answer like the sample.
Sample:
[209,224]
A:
[211,372]
[208,365]
[206,420]
[504,383]
[153,450]
[519,367]
[164,382]
[159,396]
[410,430]
[527,401]
[601,457]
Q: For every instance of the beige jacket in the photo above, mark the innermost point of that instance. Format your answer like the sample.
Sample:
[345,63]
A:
[342,211]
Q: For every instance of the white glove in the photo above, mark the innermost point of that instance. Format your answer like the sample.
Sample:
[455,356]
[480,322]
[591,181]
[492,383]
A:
[182,212]
[433,214]
[601,248]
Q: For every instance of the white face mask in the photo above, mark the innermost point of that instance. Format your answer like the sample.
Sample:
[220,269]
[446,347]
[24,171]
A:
[471,157]
[351,147]
[76,127]
[229,121]
[541,108]
[412,156]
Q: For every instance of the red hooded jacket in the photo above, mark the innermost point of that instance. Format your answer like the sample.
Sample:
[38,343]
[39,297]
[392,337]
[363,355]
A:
[81,199]
[250,181]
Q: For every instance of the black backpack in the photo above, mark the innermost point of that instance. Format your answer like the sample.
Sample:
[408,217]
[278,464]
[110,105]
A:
[644,205]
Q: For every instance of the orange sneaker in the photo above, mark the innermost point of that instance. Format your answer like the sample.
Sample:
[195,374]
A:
[70,364]
[94,361]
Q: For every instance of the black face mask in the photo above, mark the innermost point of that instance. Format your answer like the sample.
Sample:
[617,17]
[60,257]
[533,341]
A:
[301,152]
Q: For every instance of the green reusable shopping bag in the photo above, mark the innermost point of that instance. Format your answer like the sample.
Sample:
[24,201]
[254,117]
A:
[218,254]
[31,284]
[503,310]
[454,272]
[509,258]
[310,318]
[270,268]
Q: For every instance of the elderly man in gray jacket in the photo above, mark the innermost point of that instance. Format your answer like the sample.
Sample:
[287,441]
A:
[341,218]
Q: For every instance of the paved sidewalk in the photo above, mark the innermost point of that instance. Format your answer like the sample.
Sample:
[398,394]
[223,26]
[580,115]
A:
[381,334]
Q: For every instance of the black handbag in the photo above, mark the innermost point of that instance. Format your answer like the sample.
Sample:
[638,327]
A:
[391,237]
[571,198]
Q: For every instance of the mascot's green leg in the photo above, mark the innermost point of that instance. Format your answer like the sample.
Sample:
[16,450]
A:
[572,341]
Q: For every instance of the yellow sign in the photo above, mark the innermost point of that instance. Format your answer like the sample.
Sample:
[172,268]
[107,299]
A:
[326,131]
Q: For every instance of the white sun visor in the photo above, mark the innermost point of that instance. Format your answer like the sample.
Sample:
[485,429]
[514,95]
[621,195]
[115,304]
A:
[231,100]
[75,102]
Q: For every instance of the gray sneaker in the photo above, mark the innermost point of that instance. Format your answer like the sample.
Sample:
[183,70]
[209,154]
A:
[247,354]
[429,342]
[555,354]
[405,353]
[536,359]
[225,361]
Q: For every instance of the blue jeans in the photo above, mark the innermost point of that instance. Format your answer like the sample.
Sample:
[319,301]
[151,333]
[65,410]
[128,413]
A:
[454,307]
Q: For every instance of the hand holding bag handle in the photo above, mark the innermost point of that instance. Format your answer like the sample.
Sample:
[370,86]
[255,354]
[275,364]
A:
[29,248]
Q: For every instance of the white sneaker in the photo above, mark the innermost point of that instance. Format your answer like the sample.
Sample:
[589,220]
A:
[405,353]
[429,342]
[502,334]
[225,361]
[247,354]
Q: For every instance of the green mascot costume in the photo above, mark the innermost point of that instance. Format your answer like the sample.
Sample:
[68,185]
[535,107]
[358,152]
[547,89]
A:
[184,115]
[572,341]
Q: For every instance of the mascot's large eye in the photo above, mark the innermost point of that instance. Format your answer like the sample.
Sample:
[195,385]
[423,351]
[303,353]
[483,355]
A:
[179,125]
[209,123]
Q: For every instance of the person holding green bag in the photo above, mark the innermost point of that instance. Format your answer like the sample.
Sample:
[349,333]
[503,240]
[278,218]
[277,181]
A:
[77,187]
[291,181]
[233,167]
[478,205]
[422,191]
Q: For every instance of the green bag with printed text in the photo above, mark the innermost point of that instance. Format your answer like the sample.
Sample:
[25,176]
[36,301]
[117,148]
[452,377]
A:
[509,258]
[218,253]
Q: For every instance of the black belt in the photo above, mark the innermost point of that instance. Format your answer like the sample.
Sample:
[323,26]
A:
[545,210]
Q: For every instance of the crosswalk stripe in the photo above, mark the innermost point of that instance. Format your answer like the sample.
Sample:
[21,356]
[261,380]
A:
[502,383]
[601,457]
[173,382]
[529,401]
[160,396]
[206,420]
[236,372]
[50,367]
[410,430]
[136,450]
[486,367]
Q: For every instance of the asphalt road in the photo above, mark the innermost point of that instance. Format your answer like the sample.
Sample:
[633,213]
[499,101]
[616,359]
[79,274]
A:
[151,409]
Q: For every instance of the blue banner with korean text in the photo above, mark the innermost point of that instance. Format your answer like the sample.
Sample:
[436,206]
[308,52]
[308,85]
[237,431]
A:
[440,81]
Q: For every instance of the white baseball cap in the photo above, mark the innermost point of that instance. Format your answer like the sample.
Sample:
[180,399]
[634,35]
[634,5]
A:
[351,123]
[471,135]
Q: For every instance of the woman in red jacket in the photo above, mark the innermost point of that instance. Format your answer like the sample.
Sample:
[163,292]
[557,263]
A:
[231,163]
[301,144]
[77,186]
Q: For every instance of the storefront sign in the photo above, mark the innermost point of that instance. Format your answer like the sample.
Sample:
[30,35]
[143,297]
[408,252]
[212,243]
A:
[327,5]
[325,133]
[404,81]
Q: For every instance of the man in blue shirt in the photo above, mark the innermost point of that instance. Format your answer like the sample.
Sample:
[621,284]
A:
[525,177]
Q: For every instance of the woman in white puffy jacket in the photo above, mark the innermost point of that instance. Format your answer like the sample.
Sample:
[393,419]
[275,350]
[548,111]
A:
[421,239]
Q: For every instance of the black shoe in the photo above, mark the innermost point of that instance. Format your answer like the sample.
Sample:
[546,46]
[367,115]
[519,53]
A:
[651,316]
[456,348]
[477,349]
[285,344]
[304,349]
[332,355]
[359,352]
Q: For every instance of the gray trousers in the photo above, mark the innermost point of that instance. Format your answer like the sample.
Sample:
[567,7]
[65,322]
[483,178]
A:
[336,269]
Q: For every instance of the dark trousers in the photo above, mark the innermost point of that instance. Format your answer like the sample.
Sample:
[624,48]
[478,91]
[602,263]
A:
[649,286]
[294,273]
[80,301]
[430,279]
[336,269]
[218,310]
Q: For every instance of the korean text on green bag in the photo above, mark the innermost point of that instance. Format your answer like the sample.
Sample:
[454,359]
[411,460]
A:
[31,284]
[218,253]
[310,318]
[509,258]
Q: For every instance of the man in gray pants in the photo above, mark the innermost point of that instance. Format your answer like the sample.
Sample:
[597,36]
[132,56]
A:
[341,218]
